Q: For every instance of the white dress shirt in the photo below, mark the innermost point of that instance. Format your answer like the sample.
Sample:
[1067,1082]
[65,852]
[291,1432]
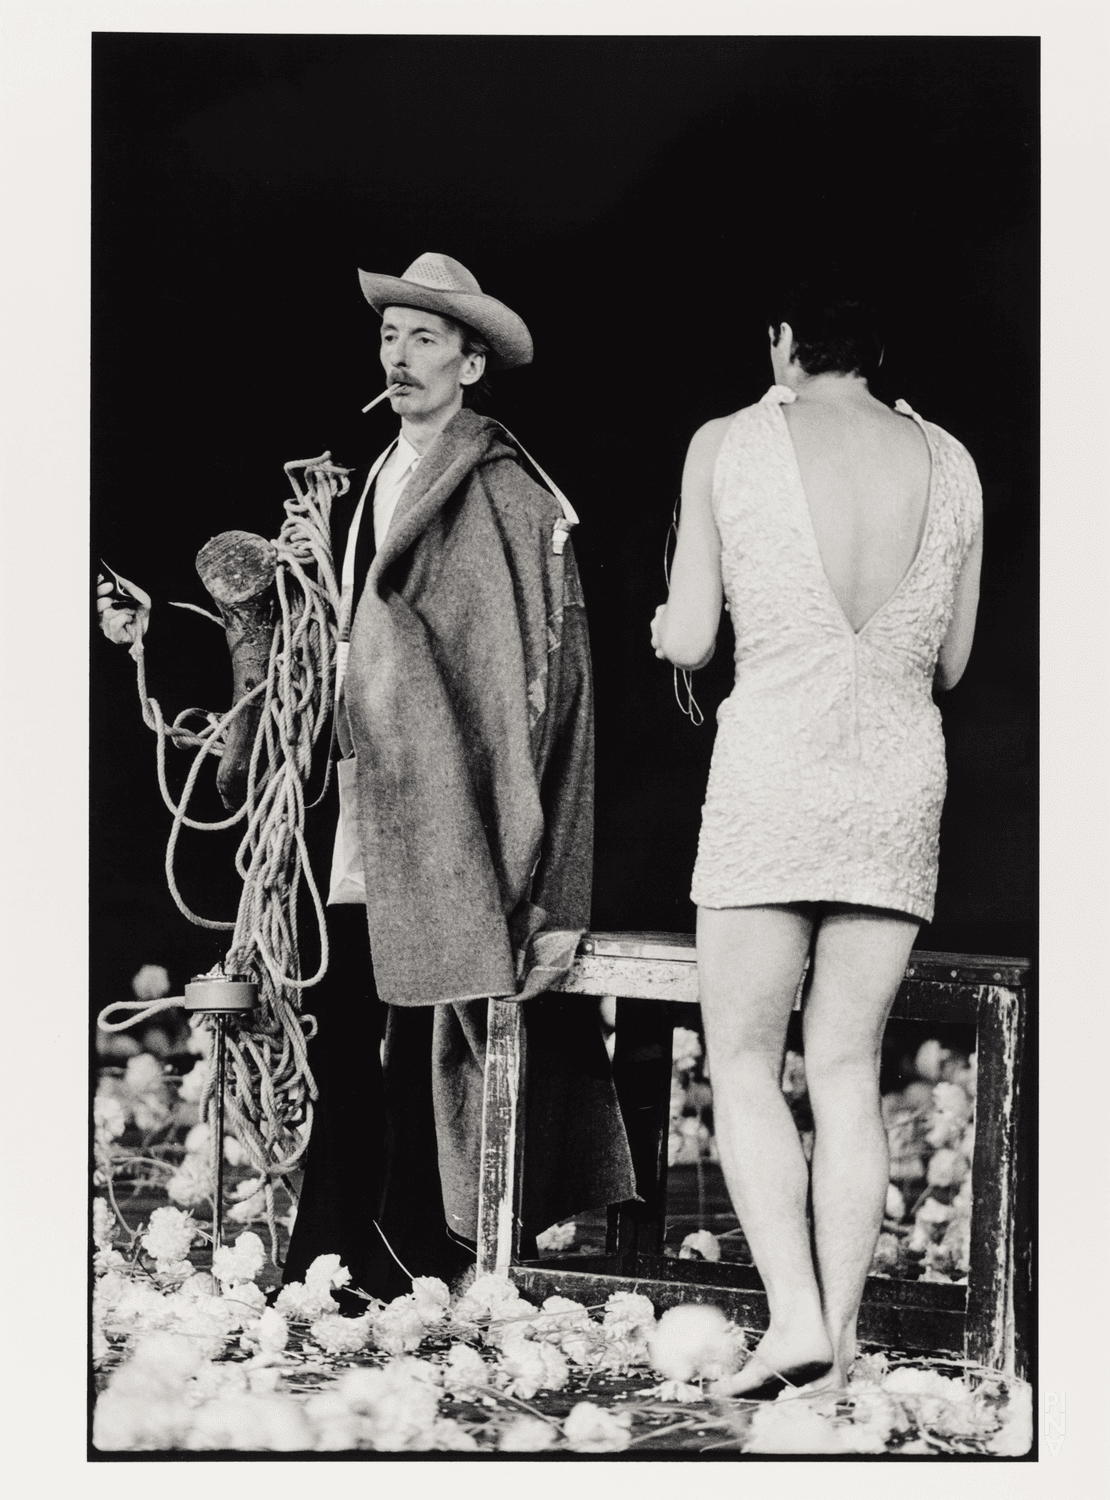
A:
[389,476]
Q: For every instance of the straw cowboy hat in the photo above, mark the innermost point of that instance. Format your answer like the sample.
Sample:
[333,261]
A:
[439,284]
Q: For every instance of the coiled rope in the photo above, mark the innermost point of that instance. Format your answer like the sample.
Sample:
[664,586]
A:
[270,1085]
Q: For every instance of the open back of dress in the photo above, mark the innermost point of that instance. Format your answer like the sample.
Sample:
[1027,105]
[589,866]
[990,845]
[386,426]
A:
[828,771]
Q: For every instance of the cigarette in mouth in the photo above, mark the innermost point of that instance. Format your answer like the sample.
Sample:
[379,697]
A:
[387,392]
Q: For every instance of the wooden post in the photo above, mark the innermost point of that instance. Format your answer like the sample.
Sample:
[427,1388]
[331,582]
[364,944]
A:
[238,570]
[502,1138]
[989,1336]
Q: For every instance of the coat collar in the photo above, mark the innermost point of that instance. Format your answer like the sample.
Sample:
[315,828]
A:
[467,441]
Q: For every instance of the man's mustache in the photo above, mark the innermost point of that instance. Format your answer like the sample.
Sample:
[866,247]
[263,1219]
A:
[405,380]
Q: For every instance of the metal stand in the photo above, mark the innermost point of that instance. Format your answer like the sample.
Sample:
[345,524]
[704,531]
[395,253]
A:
[221,996]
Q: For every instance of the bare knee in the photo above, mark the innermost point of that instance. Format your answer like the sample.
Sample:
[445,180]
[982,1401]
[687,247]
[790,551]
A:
[842,1083]
[836,1069]
[742,1057]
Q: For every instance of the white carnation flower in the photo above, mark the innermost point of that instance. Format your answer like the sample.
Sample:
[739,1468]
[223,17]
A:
[947,1168]
[931,1057]
[526,1367]
[730,1356]
[249,1422]
[271,1331]
[559,1315]
[108,1292]
[192,1085]
[701,1245]
[887,1256]
[169,1236]
[620,1354]
[104,1223]
[206,1325]
[590,1429]
[464,1368]
[200,1037]
[791,1427]
[432,1298]
[933,1214]
[109,1118]
[234,1151]
[689,1340]
[338,1335]
[251,1205]
[527,1435]
[626,1312]
[558,1237]
[686,1049]
[400,1408]
[450,1437]
[1015,1436]
[490,1296]
[311,1299]
[326,1272]
[242,1263]
[141,1307]
[338,1429]
[152,982]
[245,1300]
[129,1423]
[145,1082]
[191,1183]
[952,1110]
[399,1328]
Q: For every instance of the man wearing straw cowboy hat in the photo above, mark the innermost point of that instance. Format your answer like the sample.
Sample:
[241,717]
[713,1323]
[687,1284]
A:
[463,851]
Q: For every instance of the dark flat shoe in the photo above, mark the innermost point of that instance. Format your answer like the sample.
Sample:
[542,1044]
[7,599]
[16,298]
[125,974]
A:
[787,1380]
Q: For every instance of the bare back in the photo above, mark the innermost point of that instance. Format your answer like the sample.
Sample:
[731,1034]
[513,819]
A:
[865,471]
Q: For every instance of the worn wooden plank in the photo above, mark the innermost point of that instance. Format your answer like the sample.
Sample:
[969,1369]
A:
[883,1291]
[499,1179]
[990,1332]
[663,967]
[662,979]
[1024,1176]
[923,1329]
[932,1000]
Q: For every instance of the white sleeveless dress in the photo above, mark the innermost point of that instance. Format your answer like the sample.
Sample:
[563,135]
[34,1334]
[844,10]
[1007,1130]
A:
[828,772]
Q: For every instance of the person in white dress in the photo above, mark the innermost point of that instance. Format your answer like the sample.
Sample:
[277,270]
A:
[845,538]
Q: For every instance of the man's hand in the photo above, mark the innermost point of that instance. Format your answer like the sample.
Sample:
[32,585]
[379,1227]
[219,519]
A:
[122,623]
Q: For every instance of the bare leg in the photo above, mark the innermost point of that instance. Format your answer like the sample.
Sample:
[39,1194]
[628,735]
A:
[749,962]
[859,958]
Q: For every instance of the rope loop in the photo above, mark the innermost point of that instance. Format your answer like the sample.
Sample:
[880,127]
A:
[270,1087]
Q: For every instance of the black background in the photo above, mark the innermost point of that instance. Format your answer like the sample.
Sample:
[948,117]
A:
[635,200]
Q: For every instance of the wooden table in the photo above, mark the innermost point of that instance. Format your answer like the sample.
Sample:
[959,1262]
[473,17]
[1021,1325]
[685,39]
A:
[654,979]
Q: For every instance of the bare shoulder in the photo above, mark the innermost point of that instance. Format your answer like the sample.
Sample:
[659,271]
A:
[705,445]
[953,455]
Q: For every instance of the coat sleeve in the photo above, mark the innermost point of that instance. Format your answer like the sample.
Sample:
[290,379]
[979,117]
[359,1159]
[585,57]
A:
[555,642]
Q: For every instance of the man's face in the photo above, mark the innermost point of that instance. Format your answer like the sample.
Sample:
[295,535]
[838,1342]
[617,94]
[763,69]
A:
[423,361]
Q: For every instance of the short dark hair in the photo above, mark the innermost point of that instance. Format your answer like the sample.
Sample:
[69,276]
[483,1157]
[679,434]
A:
[836,328]
[472,343]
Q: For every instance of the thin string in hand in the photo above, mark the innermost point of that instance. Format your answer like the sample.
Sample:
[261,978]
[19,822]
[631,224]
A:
[690,706]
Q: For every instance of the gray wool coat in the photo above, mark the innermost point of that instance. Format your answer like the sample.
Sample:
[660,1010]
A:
[469,703]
